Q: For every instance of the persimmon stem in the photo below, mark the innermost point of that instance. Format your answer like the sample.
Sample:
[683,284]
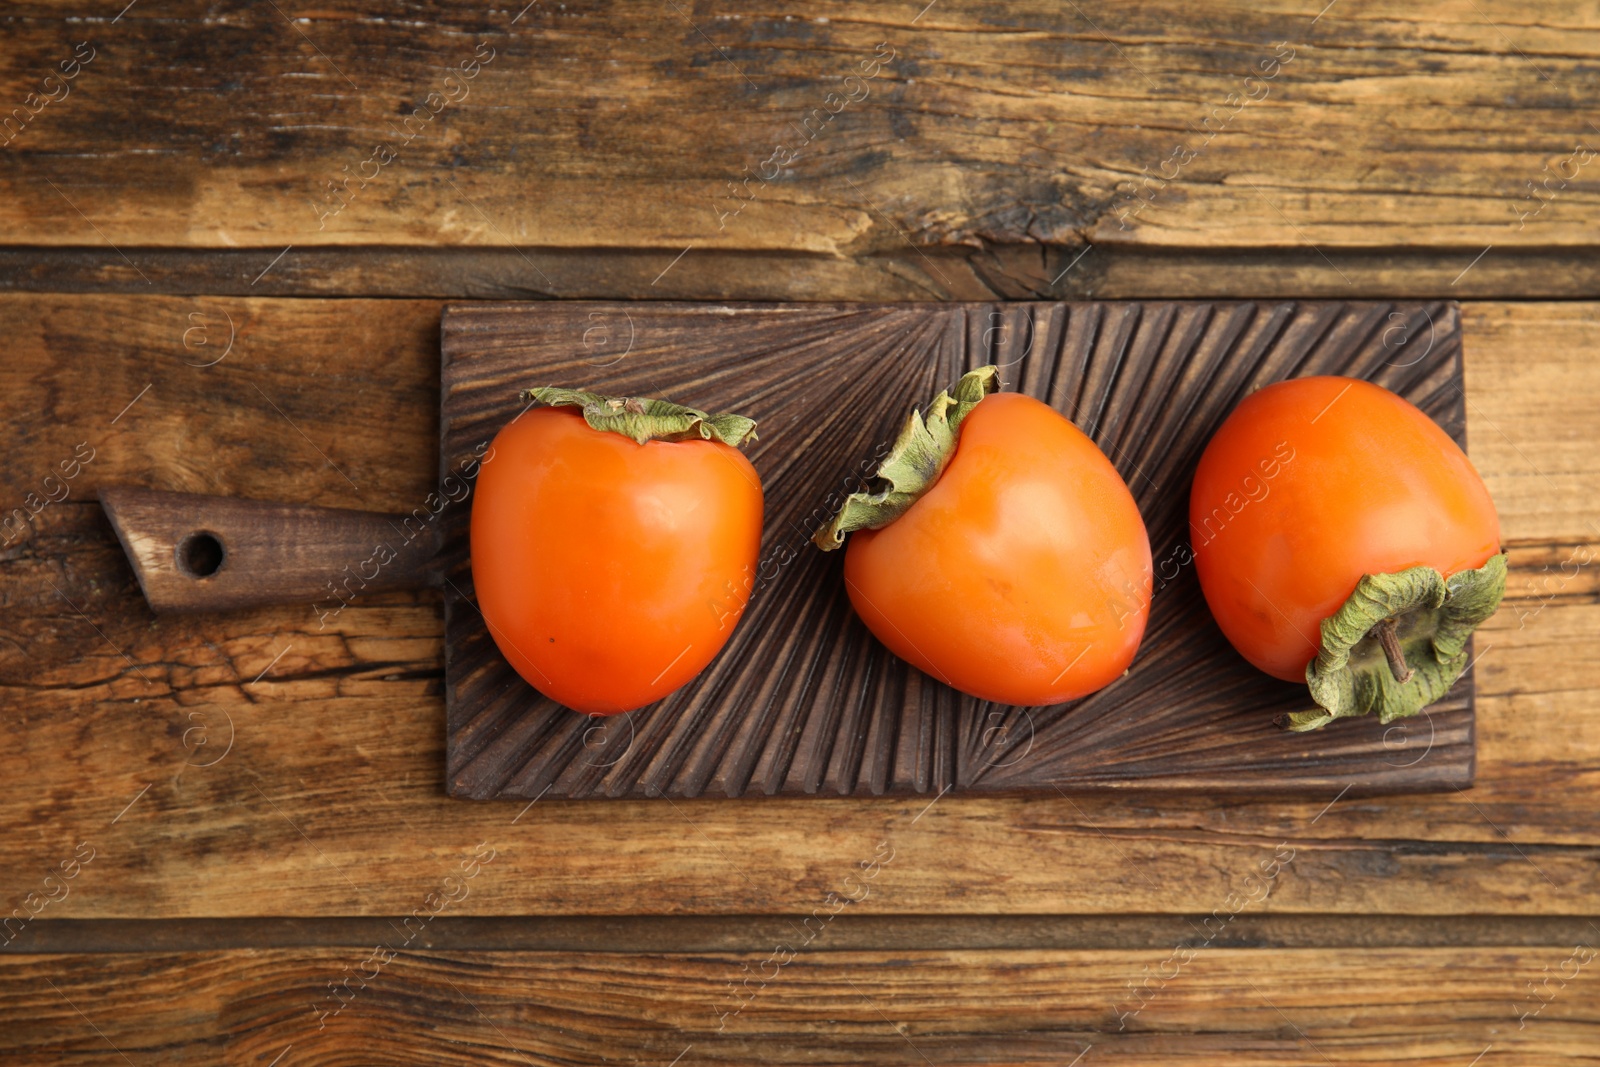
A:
[1439,613]
[1390,640]
[642,419]
[915,462]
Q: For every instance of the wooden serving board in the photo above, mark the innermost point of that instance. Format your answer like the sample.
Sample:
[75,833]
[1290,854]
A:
[803,700]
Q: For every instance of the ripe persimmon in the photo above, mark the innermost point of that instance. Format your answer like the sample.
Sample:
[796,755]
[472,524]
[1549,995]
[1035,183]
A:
[614,545]
[1006,556]
[1343,539]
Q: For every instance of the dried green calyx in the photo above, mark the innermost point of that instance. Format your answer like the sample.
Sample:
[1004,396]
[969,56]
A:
[642,419]
[920,454]
[1399,643]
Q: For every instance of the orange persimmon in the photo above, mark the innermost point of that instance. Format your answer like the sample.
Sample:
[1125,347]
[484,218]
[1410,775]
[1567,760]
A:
[614,543]
[1007,557]
[1343,539]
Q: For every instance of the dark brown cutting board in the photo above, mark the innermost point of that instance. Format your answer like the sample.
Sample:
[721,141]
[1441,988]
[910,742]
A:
[803,700]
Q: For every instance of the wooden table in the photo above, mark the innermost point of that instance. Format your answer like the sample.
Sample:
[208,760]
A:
[248,804]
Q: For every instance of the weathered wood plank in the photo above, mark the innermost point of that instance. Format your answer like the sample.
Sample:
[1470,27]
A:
[609,126]
[324,402]
[849,931]
[1533,415]
[1186,1003]
[1011,272]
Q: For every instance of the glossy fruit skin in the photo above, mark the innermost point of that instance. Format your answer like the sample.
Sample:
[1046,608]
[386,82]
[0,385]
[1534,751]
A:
[1312,483]
[1023,575]
[610,573]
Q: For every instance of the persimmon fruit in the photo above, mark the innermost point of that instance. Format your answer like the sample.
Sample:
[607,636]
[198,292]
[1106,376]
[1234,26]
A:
[1344,540]
[614,545]
[1004,556]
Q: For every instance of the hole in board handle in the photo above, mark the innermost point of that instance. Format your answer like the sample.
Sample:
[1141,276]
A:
[200,555]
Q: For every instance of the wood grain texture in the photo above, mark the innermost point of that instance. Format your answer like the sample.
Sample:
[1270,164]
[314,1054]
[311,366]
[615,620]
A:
[599,125]
[210,553]
[849,931]
[268,762]
[802,700]
[341,738]
[993,272]
[1222,1007]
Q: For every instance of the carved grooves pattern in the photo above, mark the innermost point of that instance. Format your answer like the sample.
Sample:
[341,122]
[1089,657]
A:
[803,700]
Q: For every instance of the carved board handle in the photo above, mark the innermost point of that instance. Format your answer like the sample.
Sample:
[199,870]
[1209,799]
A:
[215,553]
